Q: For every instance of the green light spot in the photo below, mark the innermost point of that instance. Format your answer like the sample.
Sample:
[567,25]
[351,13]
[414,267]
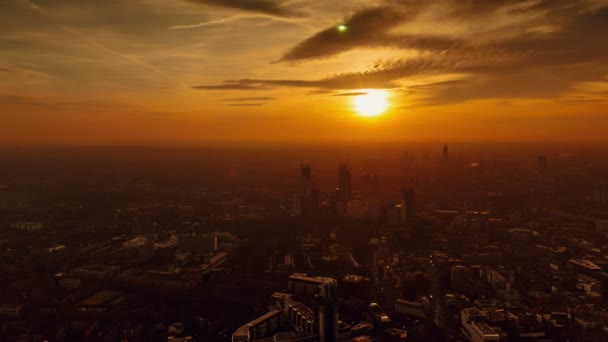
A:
[342,28]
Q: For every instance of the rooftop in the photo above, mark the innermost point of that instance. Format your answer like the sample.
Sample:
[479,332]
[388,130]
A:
[586,264]
[316,280]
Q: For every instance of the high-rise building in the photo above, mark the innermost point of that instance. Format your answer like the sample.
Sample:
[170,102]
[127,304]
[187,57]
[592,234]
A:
[445,152]
[260,328]
[345,182]
[601,193]
[459,277]
[306,180]
[207,243]
[327,321]
[324,290]
[408,207]
[541,164]
[305,203]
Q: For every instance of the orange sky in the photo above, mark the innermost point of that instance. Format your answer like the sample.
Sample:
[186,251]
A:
[192,71]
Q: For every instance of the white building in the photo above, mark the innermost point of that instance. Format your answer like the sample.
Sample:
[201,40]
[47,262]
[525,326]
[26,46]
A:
[28,226]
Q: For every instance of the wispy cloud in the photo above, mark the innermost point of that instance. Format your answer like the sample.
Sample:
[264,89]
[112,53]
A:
[247,99]
[86,38]
[522,63]
[367,28]
[246,104]
[269,7]
[232,19]
[355,93]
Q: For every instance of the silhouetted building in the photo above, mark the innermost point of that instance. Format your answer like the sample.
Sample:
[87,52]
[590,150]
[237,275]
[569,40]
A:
[327,322]
[306,180]
[408,207]
[324,290]
[306,201]
[419,309]
[262,327]
[445,153]
[345,182]
[459,277]
[541,164]
[198,243]
[601,193]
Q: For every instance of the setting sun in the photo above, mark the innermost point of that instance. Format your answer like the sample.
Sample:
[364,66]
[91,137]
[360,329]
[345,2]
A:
[373,103]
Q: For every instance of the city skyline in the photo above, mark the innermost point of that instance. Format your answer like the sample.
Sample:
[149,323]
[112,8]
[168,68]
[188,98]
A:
[199,71]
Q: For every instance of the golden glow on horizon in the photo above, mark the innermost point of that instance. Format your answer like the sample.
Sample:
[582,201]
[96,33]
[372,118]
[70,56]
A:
[374,103]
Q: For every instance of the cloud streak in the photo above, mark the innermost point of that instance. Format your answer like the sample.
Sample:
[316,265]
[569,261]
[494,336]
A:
[84,37]
[523,63]
[268,7]
[247,99]
[355,93]
[367,28]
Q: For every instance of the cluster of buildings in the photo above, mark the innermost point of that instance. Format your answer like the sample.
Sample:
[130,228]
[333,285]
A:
[291,319]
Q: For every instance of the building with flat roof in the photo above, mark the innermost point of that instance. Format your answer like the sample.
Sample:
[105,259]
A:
[96,272]
[198,243]
[419,309]
[264,326]
[302,284]
[28,226]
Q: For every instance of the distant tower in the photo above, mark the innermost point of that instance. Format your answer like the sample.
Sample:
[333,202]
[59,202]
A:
[601,193]
[345,182]
[408,207]
[305,202]
[445,152]
[305,179]
[541,164]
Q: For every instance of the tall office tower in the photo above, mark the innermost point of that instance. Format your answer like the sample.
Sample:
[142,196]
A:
[323,291]
[601,193]
[445,152]
[327,311]
[408,205]
[459,278]
[305,203]
[306,180]
[345,182]
[541,164]
[408,170]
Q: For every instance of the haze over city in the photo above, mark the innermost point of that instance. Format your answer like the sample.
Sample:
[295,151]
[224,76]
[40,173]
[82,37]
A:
[303,170]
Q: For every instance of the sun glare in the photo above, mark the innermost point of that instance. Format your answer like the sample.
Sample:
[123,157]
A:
[374,103]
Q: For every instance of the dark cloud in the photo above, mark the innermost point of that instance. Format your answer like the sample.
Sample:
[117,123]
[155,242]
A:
[363,29]
[269,7]
[246,104]
[382,75]
[231,85]
[366,28]
[355,93]
[248,99]
[525,64]
[369,28]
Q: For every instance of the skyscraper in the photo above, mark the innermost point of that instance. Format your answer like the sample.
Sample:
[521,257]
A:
[324,291]
[305,202]
[408,207]
[327,311]
[601,193]
[305,179]
[345,182]
[541,164]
